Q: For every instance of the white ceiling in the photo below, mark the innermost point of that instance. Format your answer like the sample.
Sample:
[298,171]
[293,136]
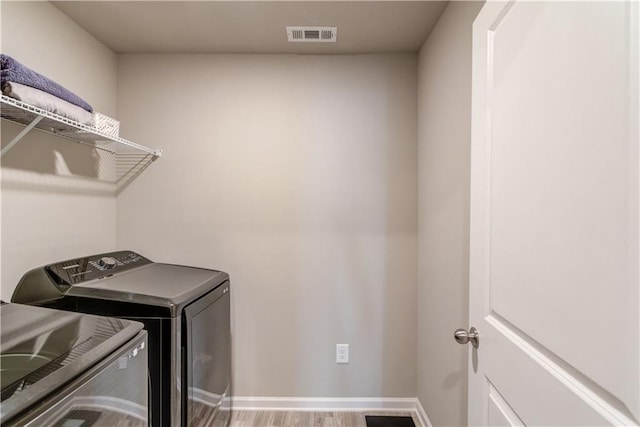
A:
[254,26]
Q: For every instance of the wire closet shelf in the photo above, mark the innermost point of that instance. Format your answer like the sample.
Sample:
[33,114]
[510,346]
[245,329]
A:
[131,158]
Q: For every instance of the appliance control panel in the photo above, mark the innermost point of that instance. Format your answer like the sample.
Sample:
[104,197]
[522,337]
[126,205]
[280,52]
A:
[93,267]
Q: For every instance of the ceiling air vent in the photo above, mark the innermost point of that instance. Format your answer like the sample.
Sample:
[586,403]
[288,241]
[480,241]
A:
[312,34]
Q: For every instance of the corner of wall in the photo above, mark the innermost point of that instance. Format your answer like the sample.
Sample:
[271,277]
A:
[53,197]
[444,138]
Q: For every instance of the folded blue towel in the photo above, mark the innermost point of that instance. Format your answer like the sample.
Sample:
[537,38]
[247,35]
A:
[13,71]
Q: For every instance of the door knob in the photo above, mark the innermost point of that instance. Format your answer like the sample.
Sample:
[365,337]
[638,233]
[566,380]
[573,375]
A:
[462,336]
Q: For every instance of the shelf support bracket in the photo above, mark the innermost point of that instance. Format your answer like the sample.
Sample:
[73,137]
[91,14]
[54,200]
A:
[19,136]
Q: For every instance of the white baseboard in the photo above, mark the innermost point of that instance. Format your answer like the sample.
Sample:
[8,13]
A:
[422,415]
[333,404]
[323,403]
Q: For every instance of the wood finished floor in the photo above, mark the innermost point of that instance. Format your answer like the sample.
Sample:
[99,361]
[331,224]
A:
[307,418]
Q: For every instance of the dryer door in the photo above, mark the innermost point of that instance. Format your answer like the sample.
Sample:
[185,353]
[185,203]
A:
[207,352]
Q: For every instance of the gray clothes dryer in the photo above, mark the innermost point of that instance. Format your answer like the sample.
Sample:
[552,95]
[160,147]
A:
[186,311]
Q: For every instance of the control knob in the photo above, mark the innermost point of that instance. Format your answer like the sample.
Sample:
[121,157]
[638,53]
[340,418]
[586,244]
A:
[107,262]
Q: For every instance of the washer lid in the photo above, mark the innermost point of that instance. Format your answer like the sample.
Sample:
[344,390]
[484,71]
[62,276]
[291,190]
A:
[42,349]
[164,285]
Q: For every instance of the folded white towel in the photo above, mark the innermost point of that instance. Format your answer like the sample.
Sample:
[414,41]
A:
[48,102]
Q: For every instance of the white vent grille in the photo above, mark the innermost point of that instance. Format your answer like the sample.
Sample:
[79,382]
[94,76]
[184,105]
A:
[312,34]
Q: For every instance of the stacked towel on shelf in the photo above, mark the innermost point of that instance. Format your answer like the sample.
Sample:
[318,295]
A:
[47,102]
[12,71]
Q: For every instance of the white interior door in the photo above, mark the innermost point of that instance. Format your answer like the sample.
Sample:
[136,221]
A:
[554,215]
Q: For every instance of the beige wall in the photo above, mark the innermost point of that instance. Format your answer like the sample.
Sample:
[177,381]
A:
[298,176]
[54,203]
[444,132]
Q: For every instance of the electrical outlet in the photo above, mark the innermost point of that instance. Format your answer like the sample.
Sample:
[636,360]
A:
[342,353]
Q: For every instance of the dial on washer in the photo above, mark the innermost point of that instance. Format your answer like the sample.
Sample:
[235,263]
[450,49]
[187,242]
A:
[107,262]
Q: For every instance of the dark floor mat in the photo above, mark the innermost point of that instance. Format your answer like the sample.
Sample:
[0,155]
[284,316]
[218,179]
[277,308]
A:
[388,421]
